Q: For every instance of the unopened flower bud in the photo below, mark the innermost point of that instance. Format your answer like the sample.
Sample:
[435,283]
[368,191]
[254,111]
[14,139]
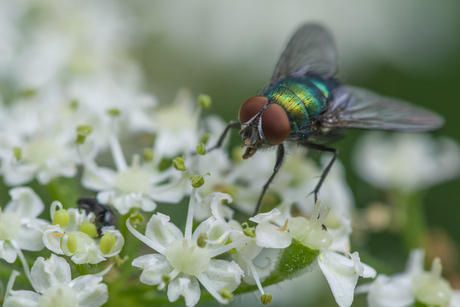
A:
[89,228]
[61,217]
[179,164]
[107,242]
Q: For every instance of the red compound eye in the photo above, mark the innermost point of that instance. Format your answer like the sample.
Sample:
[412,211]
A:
[251,107]
[275,124]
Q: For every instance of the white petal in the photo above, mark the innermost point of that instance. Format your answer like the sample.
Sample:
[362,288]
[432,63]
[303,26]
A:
[7,252]
[341,236]
[148,205]
[269,235]
[365,270]
[390,292]
[154,267]
[52,239]
[342,275]
[171,193]
[266,217]
[161,231]
[87,250]
[186,286]
[415,264]
[224,274]
[90,291]
[455,301]
[217,201]
[30,239]
[124,202]
[25,203]
[22,298]
[50,272]
[18,174]
[98,178]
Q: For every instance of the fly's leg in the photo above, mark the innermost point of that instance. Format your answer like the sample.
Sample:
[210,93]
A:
[328,167]
[279,162]
[231,125]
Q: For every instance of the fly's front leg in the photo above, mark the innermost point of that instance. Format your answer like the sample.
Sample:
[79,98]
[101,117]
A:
[279,161]
[328,167]
[231,125]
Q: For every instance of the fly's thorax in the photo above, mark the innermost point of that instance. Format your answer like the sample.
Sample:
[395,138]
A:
[303,98]
[263,124]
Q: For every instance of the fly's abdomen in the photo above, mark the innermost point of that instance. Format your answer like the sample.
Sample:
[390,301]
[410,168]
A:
[302,99]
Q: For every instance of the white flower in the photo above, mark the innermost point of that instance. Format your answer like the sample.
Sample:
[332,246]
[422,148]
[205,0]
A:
[19,227]
[413,285]
[179,127]
[184,261]
[83,246]
[54,286]
[95,97]
[269,235]
[341,272]
[44,141]
[51,47]
[406,162]
[136,186]
[266,241]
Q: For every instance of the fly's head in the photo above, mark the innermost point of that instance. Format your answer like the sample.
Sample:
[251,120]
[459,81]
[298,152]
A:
[263,124]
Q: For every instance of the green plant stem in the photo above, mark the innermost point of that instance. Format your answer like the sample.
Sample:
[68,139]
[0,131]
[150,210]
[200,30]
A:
[411,219]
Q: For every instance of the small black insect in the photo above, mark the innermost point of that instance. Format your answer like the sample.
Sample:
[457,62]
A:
[104,215]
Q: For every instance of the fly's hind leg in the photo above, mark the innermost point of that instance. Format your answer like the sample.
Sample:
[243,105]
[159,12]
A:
[328,167]
[231,125]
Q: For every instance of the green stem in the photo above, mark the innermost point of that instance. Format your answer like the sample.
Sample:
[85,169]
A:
[412,223]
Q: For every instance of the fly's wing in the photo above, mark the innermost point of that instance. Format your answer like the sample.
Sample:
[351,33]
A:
[310,50]
[361,109]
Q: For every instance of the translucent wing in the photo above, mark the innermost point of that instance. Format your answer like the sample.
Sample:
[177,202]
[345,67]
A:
[358,108]
[310,50]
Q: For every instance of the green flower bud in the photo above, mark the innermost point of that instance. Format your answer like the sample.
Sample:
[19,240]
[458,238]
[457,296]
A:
[201,241]
[201,149]
[166,279]
[179,164]
[17,151]
[205,137]
[74,104]
[82,132]
[226,293]
[266,298]
[28,93]
[89,228]
[114,112]
[71,243]
[249,231]
[135,219]
[61,217]
[204,101]
[147,154]
[107,242]
[198,181]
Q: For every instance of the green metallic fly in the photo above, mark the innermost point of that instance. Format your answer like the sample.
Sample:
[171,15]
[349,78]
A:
[305,104]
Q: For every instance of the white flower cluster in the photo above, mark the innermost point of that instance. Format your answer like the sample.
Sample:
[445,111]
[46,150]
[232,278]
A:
[71,103]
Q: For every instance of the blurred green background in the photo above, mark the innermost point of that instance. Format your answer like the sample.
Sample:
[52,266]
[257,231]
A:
[409,50]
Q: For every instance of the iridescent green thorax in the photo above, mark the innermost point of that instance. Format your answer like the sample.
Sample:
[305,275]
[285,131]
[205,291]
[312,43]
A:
[303,98]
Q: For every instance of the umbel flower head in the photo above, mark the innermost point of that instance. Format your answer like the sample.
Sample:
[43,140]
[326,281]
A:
[20,229]
[54,286]
[74,234]
[183,261]
[413,286]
